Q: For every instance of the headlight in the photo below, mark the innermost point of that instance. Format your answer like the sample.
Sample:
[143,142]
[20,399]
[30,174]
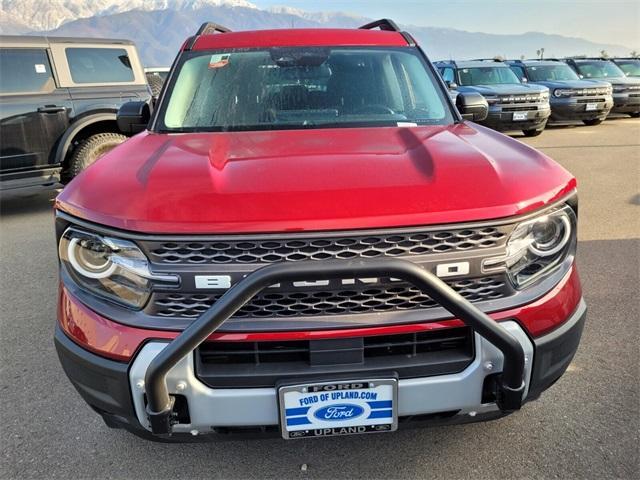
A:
[544,95]
[537,246]
[491,100]
[112,268]
[563,92]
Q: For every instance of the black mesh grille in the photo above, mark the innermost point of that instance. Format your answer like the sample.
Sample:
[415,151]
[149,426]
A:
[323,248]
[363,299]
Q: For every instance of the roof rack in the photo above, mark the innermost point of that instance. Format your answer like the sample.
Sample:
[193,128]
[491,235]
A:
[382,24]
[207,28]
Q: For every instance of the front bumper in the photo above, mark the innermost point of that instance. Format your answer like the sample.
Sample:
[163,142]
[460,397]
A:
[504,120]
[563,109]
[625,103]
[114,389]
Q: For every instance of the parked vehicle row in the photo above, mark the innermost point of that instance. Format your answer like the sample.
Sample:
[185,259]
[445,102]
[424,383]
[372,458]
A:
[525,94]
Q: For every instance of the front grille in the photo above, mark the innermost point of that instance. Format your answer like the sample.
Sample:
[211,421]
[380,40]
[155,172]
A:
[359,299]
[261,364]
[511,99]
[591,100]
[256,251]
[520,109]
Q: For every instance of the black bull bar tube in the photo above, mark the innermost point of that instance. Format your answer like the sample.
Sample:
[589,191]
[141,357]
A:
[510,385]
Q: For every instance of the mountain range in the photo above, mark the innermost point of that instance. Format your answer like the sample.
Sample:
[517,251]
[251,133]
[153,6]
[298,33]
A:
[160,26]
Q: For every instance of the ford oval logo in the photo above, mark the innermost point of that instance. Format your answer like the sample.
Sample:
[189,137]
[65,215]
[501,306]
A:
[342,411]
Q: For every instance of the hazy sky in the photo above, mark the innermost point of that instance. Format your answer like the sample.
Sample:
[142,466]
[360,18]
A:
[605,21]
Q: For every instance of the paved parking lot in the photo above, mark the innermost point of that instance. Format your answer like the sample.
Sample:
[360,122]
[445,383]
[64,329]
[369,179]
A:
[586,426]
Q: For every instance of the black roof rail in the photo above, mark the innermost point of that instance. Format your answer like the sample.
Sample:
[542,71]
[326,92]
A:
[207,28]
[382,24]
[486,60]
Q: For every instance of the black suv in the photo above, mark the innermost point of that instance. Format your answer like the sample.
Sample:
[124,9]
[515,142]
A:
[629,65]
[626,90]
[58,104]
[513,105]
[571,98]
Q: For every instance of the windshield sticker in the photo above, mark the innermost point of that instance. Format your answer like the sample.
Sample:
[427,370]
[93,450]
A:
[219,61]
[407,124]
[40,68]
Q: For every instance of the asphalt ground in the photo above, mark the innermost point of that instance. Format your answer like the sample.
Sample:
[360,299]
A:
[585,426]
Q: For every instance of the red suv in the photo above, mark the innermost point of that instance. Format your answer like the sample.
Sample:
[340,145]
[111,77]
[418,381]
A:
[308,238]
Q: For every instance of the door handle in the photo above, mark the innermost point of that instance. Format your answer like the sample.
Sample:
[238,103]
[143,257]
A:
[51,109]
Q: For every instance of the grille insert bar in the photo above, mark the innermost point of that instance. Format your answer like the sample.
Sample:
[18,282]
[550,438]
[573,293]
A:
[361,299]
[323,248]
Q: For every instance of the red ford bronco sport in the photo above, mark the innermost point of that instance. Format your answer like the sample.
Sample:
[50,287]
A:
[308,238]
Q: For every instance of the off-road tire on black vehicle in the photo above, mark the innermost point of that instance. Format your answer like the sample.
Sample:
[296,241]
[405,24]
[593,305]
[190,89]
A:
[89,150]
[592,121]
[532,132]
[155,83]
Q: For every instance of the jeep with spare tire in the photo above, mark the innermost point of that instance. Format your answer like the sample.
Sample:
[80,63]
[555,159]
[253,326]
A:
[58,103]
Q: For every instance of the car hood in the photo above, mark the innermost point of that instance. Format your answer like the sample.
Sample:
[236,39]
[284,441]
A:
[507,89]
[321,179]
[626,81]
[577,84]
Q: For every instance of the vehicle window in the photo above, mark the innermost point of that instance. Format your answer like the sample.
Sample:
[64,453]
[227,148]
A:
[599,69]
[487,76]
[99,65]
[308,87]
[630,67]
[25,70]
[550,73]
[519,71]
[447,75]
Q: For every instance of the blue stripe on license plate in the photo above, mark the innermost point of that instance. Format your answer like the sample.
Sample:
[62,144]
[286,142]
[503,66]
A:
[381,414]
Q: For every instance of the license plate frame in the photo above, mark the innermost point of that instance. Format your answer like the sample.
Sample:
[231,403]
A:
[378,410]
[520,116]
[590,107]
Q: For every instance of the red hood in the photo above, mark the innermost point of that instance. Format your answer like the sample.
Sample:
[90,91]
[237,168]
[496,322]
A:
[276,181]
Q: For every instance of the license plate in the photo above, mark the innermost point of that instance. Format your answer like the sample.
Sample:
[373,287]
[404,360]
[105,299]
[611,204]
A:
[591,107]
[338,408]
[520,116]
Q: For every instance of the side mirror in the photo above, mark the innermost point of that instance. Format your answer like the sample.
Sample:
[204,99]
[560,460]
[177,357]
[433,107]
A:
[580,75]
[472,106]
[524,80]
[133,117]
[452,85]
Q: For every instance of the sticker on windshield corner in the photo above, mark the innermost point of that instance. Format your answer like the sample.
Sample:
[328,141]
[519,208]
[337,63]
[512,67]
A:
[40,68]
[407,124]
[219,61]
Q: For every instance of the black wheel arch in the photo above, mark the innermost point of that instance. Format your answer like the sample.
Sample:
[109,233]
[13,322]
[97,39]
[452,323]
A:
[83,127]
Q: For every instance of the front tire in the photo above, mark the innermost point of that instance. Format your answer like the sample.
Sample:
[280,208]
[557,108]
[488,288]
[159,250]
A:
[592,121]
[532,132]
[635,114]
[89,150]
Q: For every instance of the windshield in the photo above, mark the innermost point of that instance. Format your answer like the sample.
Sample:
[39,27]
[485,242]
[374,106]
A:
[599,69]
[310,87]
[550,73]
[630,67]
[487,76]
